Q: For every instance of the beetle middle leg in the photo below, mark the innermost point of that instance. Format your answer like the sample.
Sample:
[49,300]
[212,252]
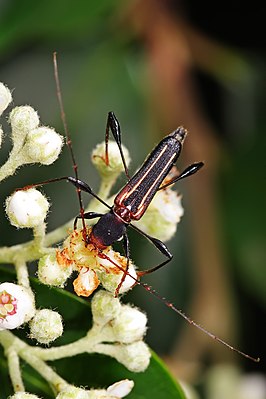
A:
[160,246]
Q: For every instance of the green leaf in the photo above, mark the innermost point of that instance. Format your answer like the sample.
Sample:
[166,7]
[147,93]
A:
[62,19]
[85,370]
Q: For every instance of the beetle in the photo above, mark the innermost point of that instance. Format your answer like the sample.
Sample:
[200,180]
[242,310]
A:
[134,198]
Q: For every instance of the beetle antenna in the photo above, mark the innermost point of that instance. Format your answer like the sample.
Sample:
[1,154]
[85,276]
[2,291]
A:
[68,137]
[170,305]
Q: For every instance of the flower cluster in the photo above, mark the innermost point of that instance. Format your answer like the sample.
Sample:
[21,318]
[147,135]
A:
[32,143]
[123,325]
[94,267]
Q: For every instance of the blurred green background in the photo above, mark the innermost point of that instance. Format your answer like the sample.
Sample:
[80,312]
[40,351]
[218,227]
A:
[157,65]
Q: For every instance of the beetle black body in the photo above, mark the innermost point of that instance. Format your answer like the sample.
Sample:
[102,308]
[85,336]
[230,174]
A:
[133,199]
[109,229]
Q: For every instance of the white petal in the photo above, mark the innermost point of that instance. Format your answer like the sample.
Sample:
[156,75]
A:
[121,388]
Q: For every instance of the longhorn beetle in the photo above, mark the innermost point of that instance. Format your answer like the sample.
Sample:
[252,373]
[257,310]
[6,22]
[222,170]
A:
[132,201]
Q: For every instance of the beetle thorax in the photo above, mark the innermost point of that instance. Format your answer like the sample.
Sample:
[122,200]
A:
[123,213]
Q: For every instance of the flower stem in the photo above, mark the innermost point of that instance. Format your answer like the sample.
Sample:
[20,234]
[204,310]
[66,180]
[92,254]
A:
[14,161]
[22,273]
[44,370]
[14,370]
[85,344]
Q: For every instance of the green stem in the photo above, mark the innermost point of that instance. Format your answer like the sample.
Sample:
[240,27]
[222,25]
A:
[85,344]
[9,340]
[22,273]
[12,345]
[14,370]
[39,235]
[14,162]
[27,252]
[44,370]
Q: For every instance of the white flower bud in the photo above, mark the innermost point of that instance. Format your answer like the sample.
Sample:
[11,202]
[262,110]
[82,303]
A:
[104,307]
[5,97]
[115,166]
[23,119]
[72,392]
[46,326]
[16,306]
[121,388]
[163,214]
[110,276]
[24,395]
[129,325]
[135,357]
[26,208]
[51,272]
[43,145]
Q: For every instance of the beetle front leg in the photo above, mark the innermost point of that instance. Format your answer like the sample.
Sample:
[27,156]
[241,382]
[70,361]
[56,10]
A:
[86,216]
[127,253]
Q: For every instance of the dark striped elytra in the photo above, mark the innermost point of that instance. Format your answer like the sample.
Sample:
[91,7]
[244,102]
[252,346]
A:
[139,191]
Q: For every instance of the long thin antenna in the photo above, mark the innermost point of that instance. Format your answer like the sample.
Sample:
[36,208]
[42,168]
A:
[68,137]
[170,305]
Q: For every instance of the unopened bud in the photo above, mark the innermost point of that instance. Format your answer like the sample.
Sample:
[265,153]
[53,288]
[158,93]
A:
[129,325]
[50,272]
[104,307]
[43,145]
[46,326]
[135,357]
[23,119]
[26,209]
[115,165]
